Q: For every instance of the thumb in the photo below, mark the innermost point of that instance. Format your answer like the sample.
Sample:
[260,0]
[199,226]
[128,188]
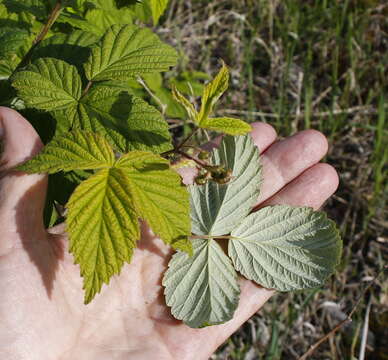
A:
[22,196]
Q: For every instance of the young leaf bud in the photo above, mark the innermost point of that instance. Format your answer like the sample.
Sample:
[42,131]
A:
[223,178]
[201,180]
[204,155]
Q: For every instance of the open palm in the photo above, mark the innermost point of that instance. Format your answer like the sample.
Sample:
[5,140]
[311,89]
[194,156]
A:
[41,298]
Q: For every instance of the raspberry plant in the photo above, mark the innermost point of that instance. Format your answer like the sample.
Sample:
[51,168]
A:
[88,79]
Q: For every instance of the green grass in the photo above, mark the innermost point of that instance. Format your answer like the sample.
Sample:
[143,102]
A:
[319,64]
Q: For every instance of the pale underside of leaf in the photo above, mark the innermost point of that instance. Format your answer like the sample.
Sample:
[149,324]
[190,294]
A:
[103,228]
[226,125]
[76,150]
[286,248]
[216,209]
[48,84]
[127,51]
[202,289]
[159,197]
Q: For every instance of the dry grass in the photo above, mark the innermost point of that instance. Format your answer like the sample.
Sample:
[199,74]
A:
[300,64]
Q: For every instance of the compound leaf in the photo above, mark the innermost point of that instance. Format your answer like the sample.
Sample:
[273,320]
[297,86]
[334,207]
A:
[49,84]
[286,248]
[76,150]
[226,125]
[212,92]
[202,289]
[127,51]
[103,228]
[217,209]
[158,196]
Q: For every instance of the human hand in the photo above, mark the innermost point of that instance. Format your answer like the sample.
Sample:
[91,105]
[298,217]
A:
[41,299]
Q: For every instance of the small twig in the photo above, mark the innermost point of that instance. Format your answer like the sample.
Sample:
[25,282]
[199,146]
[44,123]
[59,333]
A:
[343,322]
[365,331]
[180,145]
[146,88]
[184,141]
[197,161]
[56,11]
[87,88]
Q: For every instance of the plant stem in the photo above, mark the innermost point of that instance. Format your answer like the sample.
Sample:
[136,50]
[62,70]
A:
[313,347]
[90,83]
[197,161]
[145,86]
[212,237]
[46,28]
[179,146]
[185,140]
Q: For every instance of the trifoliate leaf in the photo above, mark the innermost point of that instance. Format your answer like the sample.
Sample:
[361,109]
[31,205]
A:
[48,84]
[76,150]
[286,248]
[158,7]
[103,228]
[202,289]
[127,51]
[217,209]
[158,196]
[11,39]
[72,48]
[226,125]
[189,107]
[212,92]
[127,121]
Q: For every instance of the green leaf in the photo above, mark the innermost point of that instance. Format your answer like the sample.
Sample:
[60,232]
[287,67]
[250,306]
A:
[7,67]
[72,48]
[38,8]
[158,7]
[103,228]
[79,22]
[202,289]
[76,150]
[217,209]
[212,92]
[127,51]
[106,18]
[189,82]
[48,84]
[286,248]
[11,39]
[189,107]
[159,196]
[127,121]
[226,125]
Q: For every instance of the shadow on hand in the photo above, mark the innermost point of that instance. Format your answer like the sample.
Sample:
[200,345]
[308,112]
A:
[44,254]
